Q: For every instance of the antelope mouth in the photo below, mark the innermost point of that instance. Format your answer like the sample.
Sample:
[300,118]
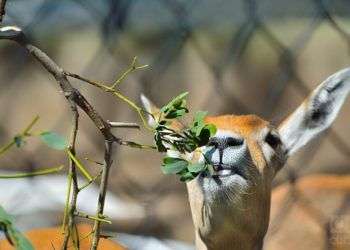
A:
[225,170]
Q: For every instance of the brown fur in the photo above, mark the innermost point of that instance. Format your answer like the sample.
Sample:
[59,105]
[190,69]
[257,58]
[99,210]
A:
[241,124]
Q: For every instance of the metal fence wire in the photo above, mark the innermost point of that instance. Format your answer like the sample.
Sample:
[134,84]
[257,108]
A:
[224,38]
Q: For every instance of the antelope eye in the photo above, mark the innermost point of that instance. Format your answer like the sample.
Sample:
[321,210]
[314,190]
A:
[273,140]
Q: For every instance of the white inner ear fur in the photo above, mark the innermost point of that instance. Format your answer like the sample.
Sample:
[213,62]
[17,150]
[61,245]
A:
[317,112]
[150,108]
[266,148]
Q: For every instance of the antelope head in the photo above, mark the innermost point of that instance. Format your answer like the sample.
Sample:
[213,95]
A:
[231,207]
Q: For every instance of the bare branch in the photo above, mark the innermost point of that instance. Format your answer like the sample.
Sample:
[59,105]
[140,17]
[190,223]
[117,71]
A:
[90,217]
[124,125]
[2,9]
[75,98]
[73,175]
[140,111]
[72,94]
[103,189]
[132,68]
[33,173]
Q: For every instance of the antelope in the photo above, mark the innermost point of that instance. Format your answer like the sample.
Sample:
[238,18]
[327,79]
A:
[231,208]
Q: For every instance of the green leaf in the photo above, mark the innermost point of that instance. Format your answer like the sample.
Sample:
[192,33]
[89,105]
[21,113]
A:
[186,140]
[190,146]
[176,103]
[198,129]
[203,137]
[173,166]
[196,167]
[19,241]
[170,160]
[198,122]
[187,176]
[212,129]
[54,140]
[176,113]
[4,216]
[199,116]
[207,131]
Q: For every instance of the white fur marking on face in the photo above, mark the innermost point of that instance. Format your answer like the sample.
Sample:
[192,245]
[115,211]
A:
[234,156]
[231,185]
[267,150]
[222,133]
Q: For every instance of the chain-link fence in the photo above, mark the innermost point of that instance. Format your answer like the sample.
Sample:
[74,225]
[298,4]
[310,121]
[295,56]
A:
[238,57]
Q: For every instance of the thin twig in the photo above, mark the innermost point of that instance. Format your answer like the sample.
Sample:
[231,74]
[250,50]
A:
[75,98]
[73,183]
[137,145]
[66,207]
[34,173]
[132,68]
[71,94]
[140,111]
[103,189]
[79,165]
[124,125]
[90,217]
[89,182]
[23,134]
[93,161]
[2,9]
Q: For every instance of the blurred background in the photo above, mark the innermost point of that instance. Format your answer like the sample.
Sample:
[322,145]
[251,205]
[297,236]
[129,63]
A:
[234,57]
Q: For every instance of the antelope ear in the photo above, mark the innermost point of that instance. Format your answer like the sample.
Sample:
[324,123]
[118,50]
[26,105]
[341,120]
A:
[154,115]
[316,113]
[152,110]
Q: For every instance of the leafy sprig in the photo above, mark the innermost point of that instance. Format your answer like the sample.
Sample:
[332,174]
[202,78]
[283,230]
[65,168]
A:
[15,237]
[187,140]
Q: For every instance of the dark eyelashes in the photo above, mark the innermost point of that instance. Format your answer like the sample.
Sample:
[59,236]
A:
[273,140]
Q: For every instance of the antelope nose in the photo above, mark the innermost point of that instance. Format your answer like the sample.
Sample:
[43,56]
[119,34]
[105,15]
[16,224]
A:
[222,143]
